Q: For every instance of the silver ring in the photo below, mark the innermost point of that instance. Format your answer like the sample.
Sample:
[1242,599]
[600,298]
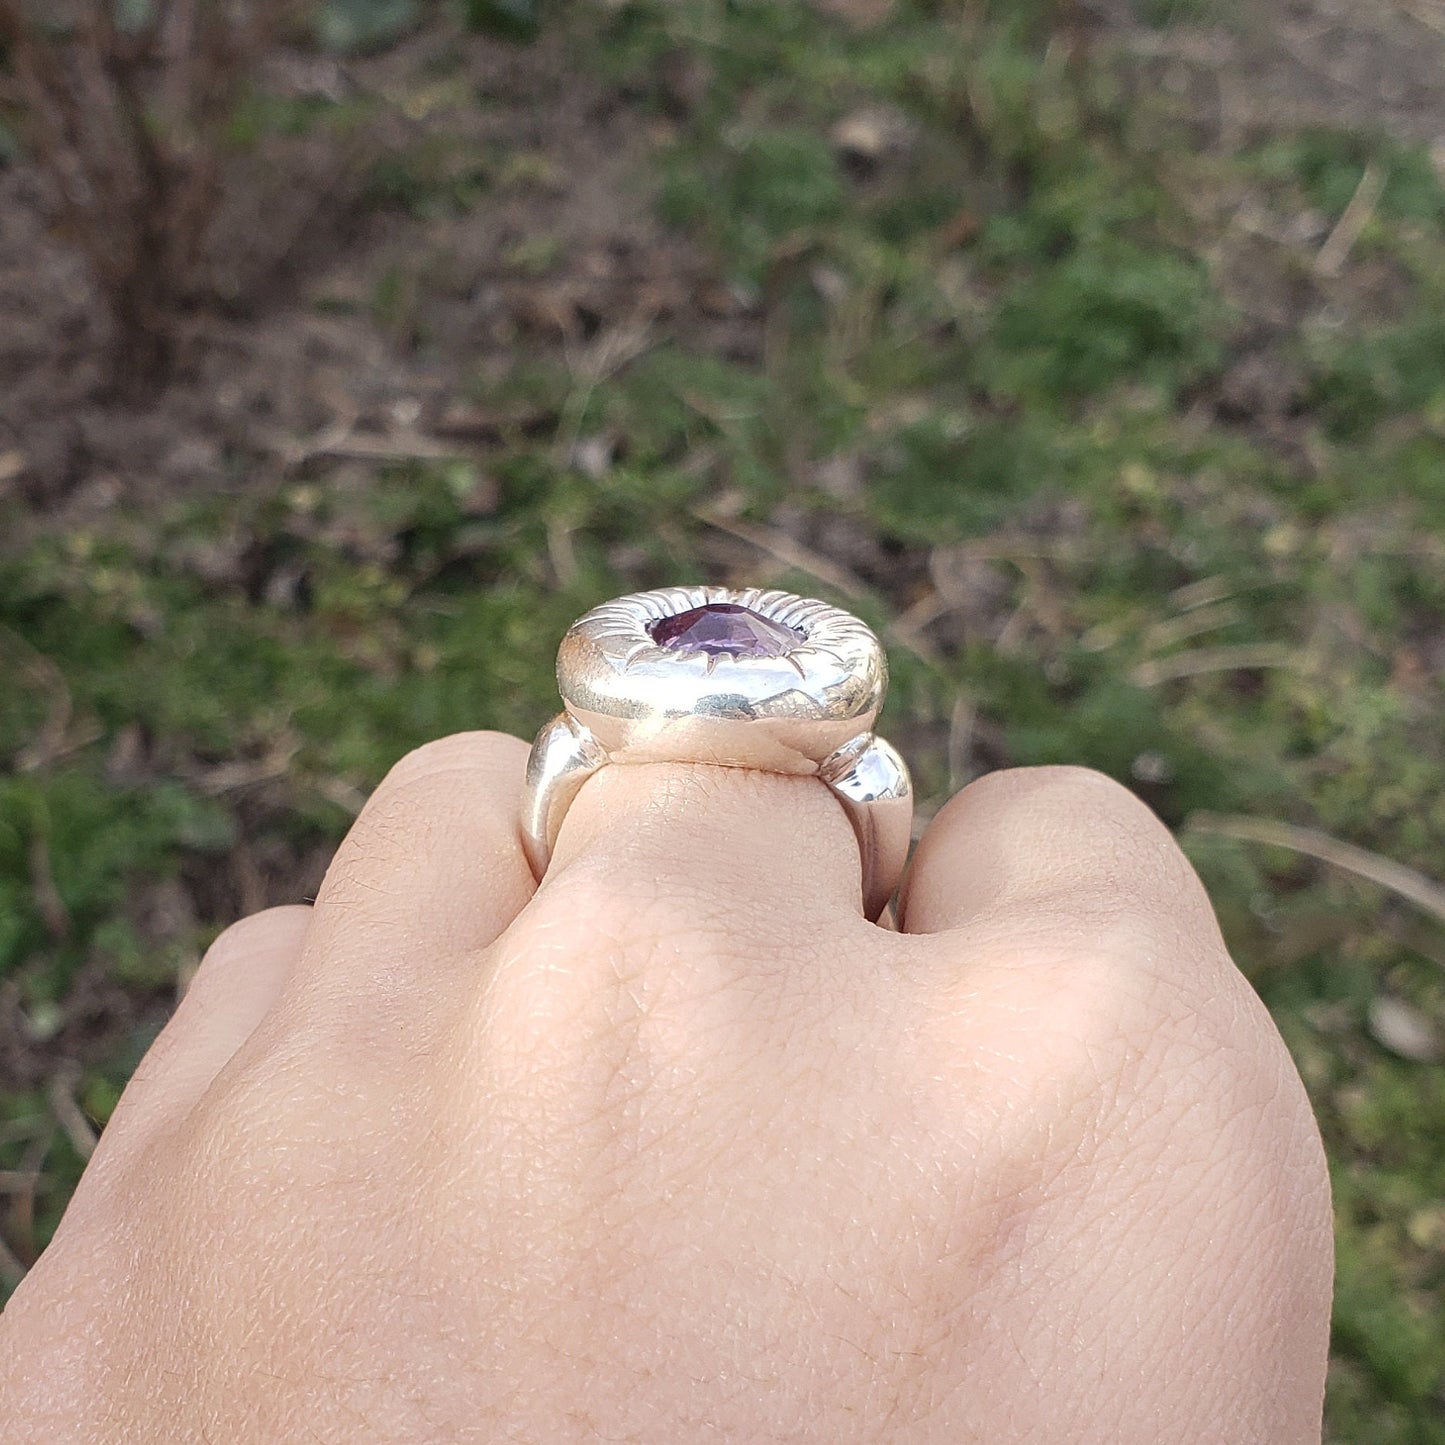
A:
[741,679]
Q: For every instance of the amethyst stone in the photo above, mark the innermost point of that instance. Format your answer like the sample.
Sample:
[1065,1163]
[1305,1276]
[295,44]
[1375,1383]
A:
[724,628]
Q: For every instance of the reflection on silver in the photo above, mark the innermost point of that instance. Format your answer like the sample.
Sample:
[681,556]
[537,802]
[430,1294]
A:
[810,711]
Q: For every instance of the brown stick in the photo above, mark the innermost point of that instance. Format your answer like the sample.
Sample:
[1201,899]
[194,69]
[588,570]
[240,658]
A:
[1423,892]
[130,128]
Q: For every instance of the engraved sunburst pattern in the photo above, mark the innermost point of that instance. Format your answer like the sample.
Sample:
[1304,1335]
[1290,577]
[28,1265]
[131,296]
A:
[622,626]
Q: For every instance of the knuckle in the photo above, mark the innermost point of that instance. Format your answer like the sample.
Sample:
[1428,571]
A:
[585,942]
[589,978]
[302,1124]
[484,749]
[1120,855]
[1146,1059]
[1069,789]
[388,834]
[410,815]
[1067,1030]
[268,928]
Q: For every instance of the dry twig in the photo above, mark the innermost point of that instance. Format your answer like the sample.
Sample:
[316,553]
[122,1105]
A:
[786,550]
[20,1215]
[128,124]
[48,902]
[960,741]
[1244,655]
[1353,220]
[12,1271]
[1170,631]
[1203,593]
[68,1114]
[1430,13]
[1423,892]
[794,555]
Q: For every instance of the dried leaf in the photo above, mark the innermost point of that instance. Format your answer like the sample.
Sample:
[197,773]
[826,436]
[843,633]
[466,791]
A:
[872,133]
[1404,1030]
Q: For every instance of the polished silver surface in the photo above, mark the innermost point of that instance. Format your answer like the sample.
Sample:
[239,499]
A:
[627,698]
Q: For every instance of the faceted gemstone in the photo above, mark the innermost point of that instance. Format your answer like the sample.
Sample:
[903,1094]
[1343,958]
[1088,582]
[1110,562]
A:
[725,628]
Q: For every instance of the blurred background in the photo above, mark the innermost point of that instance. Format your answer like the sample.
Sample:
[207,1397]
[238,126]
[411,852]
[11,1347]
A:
[1093,352]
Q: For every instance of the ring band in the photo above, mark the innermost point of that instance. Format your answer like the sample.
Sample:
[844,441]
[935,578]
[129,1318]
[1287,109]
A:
[741,679]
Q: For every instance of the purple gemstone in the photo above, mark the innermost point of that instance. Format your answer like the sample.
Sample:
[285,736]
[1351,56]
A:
[725,628]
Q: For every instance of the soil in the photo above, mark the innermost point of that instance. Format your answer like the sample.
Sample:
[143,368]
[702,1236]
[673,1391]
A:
[307,362]
[1367,65]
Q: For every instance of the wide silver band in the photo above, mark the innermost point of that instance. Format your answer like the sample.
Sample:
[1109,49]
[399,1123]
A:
[809,710]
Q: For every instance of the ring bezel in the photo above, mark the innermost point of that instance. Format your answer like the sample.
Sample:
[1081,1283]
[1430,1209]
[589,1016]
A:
[647,700]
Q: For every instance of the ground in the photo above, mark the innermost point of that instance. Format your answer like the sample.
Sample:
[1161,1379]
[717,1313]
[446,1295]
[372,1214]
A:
[1094,352]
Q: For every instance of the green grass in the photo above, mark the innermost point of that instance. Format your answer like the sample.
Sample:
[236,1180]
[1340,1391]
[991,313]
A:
[1234,613]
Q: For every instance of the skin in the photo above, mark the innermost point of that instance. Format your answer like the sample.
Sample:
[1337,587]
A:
[679,1148]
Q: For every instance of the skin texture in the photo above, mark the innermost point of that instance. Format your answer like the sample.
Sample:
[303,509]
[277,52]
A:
[679,1147]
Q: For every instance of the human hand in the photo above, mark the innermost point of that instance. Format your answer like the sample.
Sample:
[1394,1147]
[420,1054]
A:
[678,1147]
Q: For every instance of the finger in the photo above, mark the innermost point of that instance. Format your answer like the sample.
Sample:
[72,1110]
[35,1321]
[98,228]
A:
[432,869]
[750,850]
[1085,996]
[239,980]
[1058,852]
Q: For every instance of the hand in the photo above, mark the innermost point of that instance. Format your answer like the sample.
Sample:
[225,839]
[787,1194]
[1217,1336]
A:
[679,1148]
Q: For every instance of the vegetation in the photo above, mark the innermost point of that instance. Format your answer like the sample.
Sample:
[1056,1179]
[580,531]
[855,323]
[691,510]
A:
[1128,434]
